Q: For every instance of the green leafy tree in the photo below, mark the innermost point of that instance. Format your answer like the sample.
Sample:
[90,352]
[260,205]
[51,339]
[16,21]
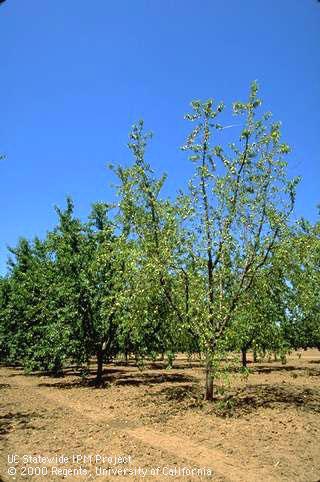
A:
[87,283]
[105,284]
[303,279]
[261,316]
[29,327]
[242,201]
[155,282]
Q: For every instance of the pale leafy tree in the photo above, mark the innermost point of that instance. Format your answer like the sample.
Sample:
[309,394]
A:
[242,201]
[155,307]
[217,265]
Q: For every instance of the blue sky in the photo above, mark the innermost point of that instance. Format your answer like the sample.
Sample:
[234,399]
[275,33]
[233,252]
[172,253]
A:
[77,74]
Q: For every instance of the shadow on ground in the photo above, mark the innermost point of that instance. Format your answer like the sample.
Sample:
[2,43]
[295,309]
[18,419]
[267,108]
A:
[284,368]
[10,421]
[3,386]
[153,379]
[228,403]
[117,376]
[252,397]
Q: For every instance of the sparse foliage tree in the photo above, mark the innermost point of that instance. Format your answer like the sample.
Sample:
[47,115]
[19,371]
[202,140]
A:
[242,202]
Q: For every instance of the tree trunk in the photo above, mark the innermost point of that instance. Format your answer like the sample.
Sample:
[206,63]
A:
[57,368]
[209,379]
[255,355]
[283,359]
[244,357]
[100,356]
[99,368]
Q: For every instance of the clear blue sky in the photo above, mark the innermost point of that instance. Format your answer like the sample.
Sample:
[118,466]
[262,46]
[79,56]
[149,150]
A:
[76,74]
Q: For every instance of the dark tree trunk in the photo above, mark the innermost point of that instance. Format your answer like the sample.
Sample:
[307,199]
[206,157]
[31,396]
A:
[244,357]
[208,395]
[100,357]
[57,368]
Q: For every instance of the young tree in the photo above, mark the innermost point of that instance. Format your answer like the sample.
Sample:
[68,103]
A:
[242,201]
[154,277]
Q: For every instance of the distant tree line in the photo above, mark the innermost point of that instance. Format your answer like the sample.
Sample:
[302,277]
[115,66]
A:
[221,268]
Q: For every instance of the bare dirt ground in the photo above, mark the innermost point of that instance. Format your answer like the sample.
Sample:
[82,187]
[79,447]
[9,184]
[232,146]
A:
[266,427]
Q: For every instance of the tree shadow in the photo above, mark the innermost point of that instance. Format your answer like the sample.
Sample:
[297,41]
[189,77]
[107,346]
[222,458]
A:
[174,400]
[270,369]
[153,379]
[312,372]
[177,365]
[120,377]
[187,392]
[240,402]
[87,381]
[70,370]
[252,397]
[35,374]
[67,385]
[16,420]
[4,386]
[285,368]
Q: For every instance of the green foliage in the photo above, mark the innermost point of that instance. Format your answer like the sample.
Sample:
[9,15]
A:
[151,298]
[219,268]
[242,201]
[302,264]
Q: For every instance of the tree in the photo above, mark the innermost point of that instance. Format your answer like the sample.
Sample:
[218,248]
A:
[59,302]
[105,284]
[5,328]
[193,274]
[30,333]
[68,246]
[87,280]
[155,307]
[260,317]
[303,279]
[242,201]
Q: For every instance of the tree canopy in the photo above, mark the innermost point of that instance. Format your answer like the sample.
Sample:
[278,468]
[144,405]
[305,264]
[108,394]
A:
[223,266]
